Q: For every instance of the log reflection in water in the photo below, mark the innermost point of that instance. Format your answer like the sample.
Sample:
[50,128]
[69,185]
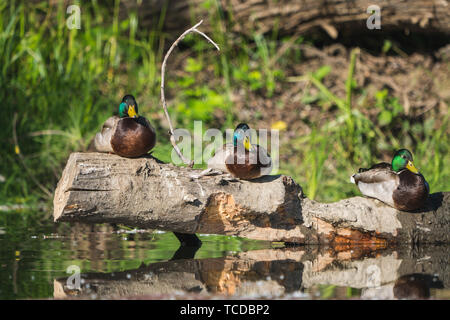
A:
[276,273]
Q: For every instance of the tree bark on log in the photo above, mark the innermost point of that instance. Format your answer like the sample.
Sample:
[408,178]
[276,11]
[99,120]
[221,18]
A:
[300,17]
[146,193]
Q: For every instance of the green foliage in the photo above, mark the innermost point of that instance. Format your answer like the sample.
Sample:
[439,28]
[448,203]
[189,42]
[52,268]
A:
[264,52]
[331,153]
[387,45]
[327,291]
[322,72]
[389,107]
[196,102]
[63,84]
[251,78]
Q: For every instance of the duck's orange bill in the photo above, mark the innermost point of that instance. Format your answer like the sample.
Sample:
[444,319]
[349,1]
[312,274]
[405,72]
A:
[410,166]
[132,112]
[247,144]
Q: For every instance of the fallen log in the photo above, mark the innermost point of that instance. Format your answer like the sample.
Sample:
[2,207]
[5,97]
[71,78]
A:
[146,193]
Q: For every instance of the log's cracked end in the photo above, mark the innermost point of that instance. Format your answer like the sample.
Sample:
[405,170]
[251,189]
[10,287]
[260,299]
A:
[220,214]
[223,215]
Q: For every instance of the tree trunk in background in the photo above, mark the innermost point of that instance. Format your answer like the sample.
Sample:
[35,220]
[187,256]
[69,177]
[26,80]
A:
[288,16]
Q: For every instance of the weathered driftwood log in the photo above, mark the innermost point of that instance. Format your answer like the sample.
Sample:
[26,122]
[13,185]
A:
[273,273]
[145,193]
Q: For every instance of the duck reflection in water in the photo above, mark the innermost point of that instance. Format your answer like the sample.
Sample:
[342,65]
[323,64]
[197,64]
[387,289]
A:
[415,286]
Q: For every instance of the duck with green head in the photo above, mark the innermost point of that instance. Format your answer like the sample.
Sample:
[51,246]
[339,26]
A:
[242,159]
[399,184]
[128,135]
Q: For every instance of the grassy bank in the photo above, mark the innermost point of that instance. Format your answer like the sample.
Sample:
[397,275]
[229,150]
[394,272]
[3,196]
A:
[59,85]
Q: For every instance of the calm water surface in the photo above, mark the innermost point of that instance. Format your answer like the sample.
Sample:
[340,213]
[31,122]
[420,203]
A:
[116,262]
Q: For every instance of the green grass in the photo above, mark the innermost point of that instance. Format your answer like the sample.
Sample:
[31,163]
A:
[336,150]
[63,84]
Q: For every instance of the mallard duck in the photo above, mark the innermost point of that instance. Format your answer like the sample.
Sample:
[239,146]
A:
[128,135]
[242,159]
[398,184]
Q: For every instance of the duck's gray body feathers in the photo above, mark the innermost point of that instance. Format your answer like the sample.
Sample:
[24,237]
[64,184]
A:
[102,140]
[379,183]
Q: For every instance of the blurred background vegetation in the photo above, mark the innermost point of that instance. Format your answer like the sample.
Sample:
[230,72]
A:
[340,105]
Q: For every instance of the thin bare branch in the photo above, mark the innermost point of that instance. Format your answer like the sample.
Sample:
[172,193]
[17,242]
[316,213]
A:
[48,133]
[190,163]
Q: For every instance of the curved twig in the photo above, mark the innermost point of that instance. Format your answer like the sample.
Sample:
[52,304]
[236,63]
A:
[190,163]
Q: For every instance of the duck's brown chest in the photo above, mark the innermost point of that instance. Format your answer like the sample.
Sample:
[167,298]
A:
[412,191]
[132,139]
[246,165]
